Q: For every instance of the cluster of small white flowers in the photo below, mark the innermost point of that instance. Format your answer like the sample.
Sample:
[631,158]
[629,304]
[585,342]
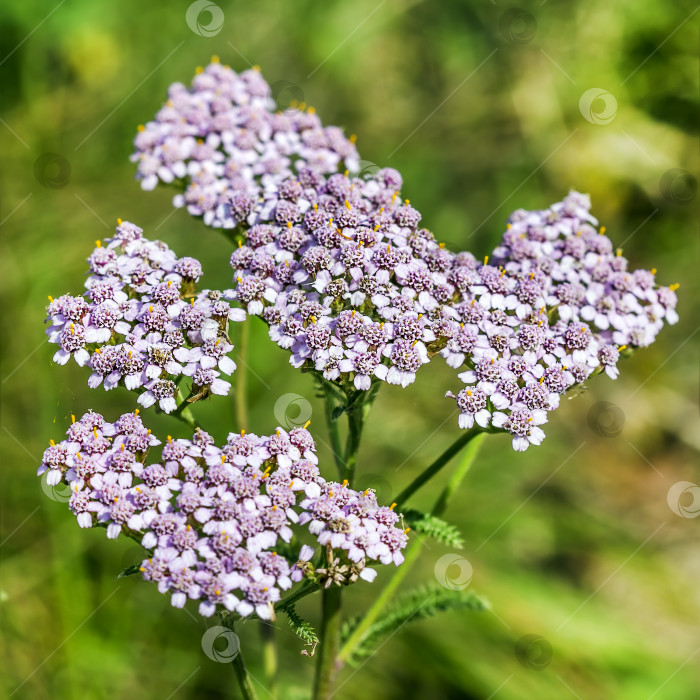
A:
[555,305]
[219,521]
[141,322]
[347,281]
[225,142]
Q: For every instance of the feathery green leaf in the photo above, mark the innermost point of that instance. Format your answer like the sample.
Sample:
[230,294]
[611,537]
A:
[432,526]
[302,629]
[419,604]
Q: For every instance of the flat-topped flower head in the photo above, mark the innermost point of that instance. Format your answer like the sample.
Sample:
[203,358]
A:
[226,141]
[218,522]
[553,305]
[141,322]
[318,242]
[350,286]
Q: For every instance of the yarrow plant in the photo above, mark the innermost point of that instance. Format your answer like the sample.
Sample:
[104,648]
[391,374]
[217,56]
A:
[213,518]
[141,322]
[555,305]
[337,265]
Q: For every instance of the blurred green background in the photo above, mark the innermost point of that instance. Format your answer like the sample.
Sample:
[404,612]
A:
[479,107]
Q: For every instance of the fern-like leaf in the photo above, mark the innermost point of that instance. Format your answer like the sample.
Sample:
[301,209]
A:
[432,526]
[303,630]
[416,605]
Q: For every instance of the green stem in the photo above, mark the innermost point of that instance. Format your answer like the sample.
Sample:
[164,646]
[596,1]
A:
[305,589]
[242,376]
[244,681]
[331,617]
[356,420]
[184,411]
[330,637]
[328,386]
[356,423]
[413,549]
[410,556]
[462,468]
[267,633]
[334,430]
[437,465]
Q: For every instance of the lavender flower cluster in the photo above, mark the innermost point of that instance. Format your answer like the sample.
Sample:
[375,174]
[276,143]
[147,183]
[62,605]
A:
[555,305]
[226,144]
[346,278]
[141,322]
[317,242]
[349,283]
[214,518]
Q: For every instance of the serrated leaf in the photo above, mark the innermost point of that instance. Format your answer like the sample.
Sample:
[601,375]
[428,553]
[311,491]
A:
[302,629]
[432,526]
[416,605]
[130,570]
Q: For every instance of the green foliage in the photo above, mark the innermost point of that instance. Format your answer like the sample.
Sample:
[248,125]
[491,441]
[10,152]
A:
[495,142]
[130,570]
[302,629]
[432,526]
[355,399]
[418,604]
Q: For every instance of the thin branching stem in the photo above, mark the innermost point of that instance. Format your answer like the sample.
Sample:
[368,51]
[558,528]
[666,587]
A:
[333,429]
[413,550]
[331,616]
[244,681]
[355,425]
[330,641]
[430,471]
[307,588]
[183,411]
[241,395]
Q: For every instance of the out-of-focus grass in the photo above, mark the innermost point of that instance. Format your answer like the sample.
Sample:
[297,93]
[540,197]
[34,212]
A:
[573,541]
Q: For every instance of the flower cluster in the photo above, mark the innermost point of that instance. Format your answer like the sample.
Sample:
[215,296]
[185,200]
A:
[555,305]
[218,521]
[227,143]
[141,322]
[347,280]
[338,266]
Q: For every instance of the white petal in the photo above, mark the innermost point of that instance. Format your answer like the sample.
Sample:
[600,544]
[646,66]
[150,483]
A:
[368,574]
